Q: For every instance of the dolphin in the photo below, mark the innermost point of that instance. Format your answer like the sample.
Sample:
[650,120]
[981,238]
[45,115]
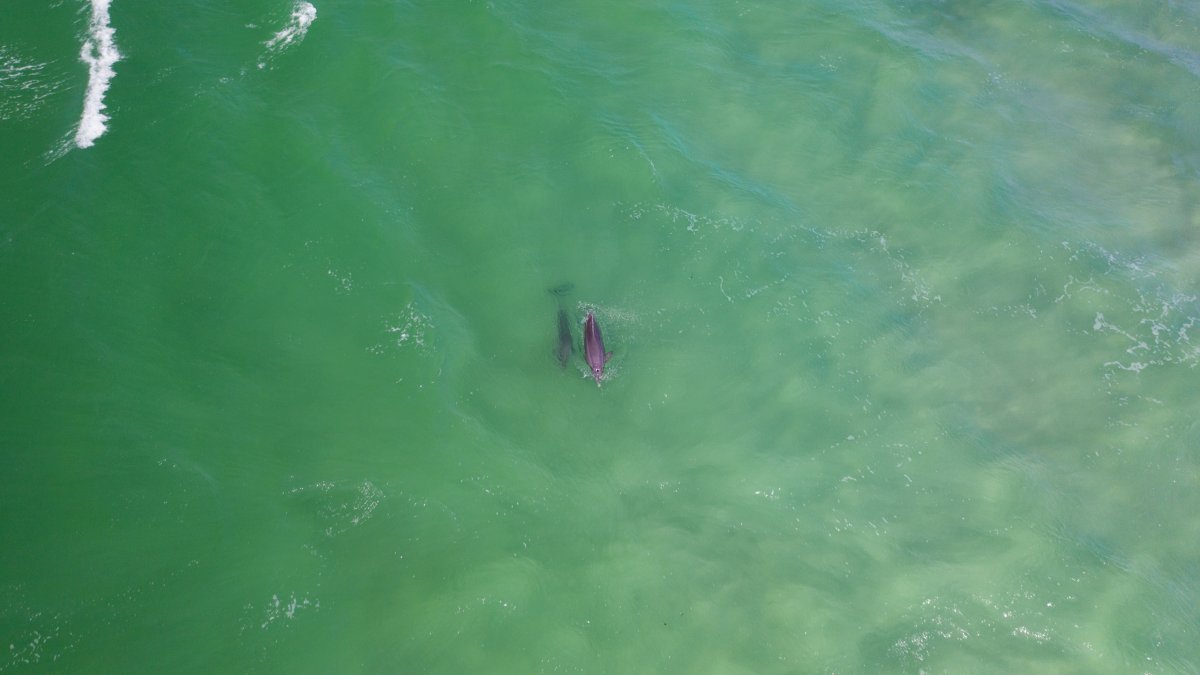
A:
[593,347]
[566,344]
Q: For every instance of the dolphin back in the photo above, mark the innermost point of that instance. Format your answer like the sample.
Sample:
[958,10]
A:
[593,347]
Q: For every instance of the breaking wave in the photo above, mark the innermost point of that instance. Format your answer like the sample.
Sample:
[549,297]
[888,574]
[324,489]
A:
[99,53]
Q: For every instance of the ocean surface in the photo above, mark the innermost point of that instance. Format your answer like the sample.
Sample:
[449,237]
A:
[902,299]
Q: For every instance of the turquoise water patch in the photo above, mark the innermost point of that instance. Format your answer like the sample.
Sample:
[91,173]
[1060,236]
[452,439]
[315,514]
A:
[902,303]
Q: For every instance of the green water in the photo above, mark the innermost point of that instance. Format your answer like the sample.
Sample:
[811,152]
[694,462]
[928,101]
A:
[902,299]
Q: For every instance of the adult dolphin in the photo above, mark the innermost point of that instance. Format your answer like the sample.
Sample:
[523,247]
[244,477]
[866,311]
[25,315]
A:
[593,347]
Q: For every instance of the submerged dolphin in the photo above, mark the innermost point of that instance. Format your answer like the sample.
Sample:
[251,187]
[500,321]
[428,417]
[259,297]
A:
[593,347]
[566,345]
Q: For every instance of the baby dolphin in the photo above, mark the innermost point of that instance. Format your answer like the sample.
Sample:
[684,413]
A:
[566,345]
[593,347]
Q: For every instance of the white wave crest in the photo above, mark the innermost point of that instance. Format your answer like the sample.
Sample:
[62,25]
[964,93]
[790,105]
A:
[303,14]
[99,53]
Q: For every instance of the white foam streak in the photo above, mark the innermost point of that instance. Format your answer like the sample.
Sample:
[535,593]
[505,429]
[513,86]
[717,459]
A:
[303,14]
[99,53]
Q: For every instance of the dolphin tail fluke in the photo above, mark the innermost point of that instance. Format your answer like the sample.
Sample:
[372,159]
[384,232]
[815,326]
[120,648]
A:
[562,289]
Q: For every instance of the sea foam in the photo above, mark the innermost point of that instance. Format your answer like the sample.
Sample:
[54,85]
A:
[99,53]
[24,85]
[303,14]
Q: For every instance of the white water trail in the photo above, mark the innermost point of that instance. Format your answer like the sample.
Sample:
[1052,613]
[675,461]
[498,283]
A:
[99,52]
[303,14]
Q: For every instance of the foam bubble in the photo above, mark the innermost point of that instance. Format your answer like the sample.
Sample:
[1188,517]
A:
[99,53]
[277,609]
